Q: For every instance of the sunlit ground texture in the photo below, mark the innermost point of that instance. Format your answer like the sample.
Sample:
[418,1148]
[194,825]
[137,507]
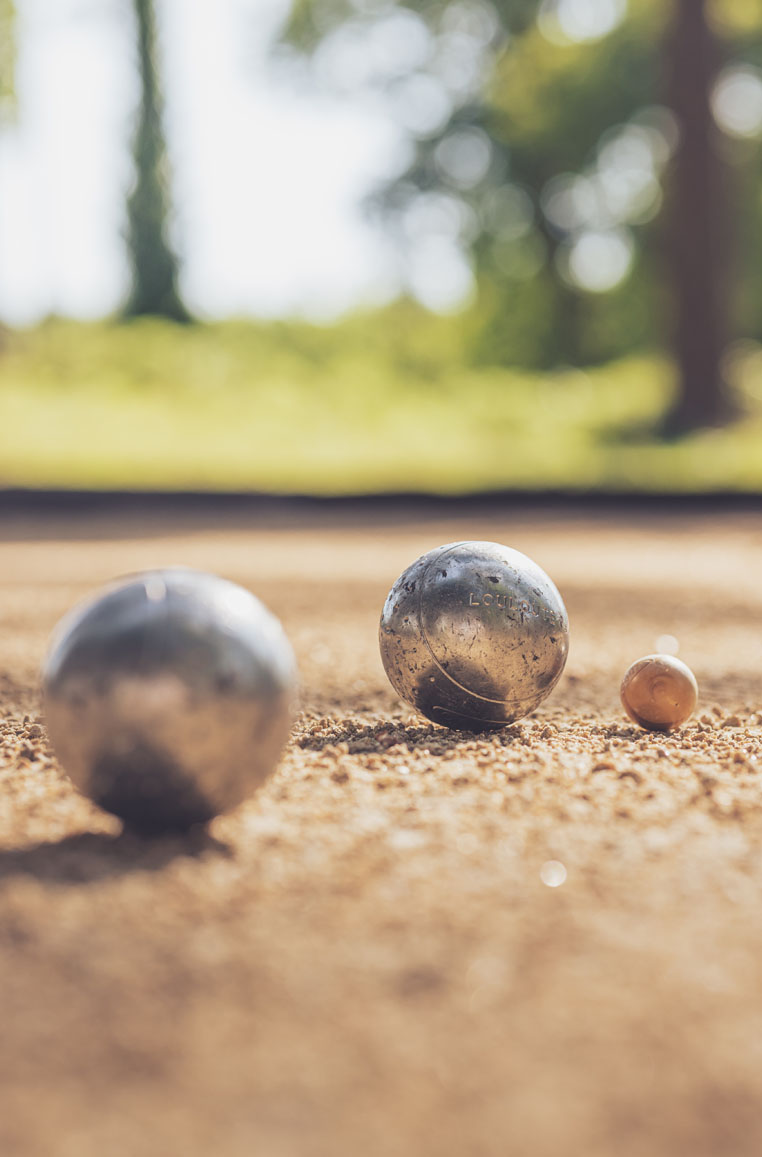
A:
[414,942]
[375,404]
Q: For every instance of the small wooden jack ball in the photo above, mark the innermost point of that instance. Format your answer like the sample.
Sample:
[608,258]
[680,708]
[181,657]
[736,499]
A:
[659,692]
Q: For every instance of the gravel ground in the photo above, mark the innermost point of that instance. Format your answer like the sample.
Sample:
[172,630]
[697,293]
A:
[365,958]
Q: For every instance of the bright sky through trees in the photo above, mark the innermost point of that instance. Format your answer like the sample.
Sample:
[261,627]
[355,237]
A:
[268,176]
[270,169]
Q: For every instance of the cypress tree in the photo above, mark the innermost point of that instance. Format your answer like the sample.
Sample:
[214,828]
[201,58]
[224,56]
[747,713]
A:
[153,262]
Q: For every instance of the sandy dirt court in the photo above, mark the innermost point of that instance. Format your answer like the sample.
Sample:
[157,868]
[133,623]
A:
[364,959]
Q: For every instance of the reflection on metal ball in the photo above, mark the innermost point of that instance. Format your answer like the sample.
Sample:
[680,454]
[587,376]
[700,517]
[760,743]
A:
[474,635]
[168,698]
[659,692]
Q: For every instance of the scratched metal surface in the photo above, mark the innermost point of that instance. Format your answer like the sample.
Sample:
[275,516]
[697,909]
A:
[474,635]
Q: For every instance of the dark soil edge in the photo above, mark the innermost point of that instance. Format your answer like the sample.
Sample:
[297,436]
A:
[20,500]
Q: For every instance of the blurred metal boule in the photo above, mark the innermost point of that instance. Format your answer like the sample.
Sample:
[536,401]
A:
[168,697]
[474,635]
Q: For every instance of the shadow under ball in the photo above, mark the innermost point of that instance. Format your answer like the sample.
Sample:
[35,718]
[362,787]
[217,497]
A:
[169,697]
[474,635]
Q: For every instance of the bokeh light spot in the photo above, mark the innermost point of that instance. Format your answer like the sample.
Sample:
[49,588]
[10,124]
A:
[597,261]
[553,873]
[420,104]
[439,275]
[463,157]
[507,212]
[737,101]
[573,21]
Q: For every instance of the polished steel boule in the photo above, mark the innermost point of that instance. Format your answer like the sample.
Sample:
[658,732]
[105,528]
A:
[474,635]
[168,697]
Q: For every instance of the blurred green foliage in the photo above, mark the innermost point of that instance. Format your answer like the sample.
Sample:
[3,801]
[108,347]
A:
[378,403]
[562,121]
[7,57]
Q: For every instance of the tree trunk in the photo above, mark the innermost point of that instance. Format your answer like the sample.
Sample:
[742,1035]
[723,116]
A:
[698,225]
[153,263]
